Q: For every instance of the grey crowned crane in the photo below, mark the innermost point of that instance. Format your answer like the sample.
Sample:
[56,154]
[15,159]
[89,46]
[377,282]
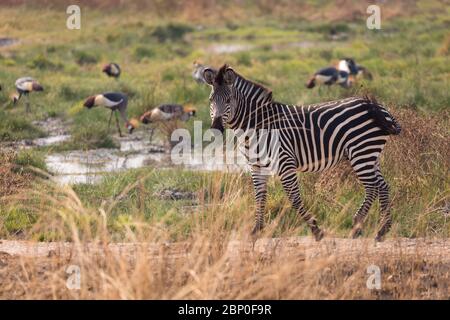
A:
[199,69]
[168,112]
[363,72]
[329,76]
[24,86]
[116,102]
[112,70]
[349,65]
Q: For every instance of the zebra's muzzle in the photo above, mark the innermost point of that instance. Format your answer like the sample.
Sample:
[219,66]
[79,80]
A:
[218,124]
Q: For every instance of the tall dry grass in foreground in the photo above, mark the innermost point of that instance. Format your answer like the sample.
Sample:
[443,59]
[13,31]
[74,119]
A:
[214,264]
[215,261]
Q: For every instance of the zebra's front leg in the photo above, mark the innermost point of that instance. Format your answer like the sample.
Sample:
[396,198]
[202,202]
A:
[260,186]
[289,181]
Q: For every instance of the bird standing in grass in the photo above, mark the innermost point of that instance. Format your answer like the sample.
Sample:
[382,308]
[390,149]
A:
[363,72]
[329,76]
[349,65]
[197,74]
[115,101]
[24,86]
[168,112]
[112,70]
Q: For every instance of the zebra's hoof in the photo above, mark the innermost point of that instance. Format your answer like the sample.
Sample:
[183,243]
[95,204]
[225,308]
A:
[379,238]
[318,234]
[356,233]
[256,230]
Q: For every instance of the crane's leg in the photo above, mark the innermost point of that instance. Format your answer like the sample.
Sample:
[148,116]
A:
[151,134]
[109,122]
[18,98]
[27,104]
[118,124]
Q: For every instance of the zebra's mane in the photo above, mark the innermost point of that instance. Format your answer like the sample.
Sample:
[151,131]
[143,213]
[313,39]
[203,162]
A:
[220,80]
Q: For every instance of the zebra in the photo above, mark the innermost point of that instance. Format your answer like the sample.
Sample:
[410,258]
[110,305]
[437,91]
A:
[312,138]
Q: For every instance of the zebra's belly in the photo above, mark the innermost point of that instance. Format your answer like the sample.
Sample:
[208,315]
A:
[320,165]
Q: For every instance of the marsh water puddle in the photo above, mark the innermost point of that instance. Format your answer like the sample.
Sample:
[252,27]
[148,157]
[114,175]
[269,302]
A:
[90,166]
[4,42]
[220,48]
[56,129]
[223,48]
[135,151]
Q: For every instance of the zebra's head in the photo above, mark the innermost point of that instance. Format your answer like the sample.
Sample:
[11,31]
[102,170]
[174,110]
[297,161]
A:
[222,100]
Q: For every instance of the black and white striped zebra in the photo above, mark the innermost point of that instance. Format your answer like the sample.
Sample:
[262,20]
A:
[311,138]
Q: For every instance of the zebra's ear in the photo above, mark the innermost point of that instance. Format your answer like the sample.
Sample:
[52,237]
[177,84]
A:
[209,75]
[229,76]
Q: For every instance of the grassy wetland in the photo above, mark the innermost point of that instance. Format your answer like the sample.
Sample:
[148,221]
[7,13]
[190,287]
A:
[164,232]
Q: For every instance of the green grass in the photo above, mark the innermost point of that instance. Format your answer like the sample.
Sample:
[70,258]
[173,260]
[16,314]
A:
[156,58]
[410,68]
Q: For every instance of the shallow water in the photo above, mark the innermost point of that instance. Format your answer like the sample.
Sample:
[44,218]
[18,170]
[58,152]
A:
[4,42]
[51,140]
[135,151]
[89,166]
[220,48]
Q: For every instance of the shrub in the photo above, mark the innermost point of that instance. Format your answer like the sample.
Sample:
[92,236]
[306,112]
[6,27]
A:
[43,63]
[171,32]
[142,52]
[83,57]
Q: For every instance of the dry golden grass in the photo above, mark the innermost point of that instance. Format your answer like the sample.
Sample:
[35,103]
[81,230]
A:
[11,181]
[212,266]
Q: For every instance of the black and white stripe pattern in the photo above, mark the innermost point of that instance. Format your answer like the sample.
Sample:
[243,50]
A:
[312,138]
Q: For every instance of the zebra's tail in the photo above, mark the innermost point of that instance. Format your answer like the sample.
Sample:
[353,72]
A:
[311,82]
[384,119]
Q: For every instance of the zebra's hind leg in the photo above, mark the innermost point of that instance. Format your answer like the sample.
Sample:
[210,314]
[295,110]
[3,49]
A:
[290,185]
[385,216]
[260,187]
[360,216]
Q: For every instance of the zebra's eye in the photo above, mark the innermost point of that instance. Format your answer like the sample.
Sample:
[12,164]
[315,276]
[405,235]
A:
[228,101]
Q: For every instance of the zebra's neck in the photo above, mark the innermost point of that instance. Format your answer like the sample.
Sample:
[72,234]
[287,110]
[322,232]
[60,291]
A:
[254,105]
